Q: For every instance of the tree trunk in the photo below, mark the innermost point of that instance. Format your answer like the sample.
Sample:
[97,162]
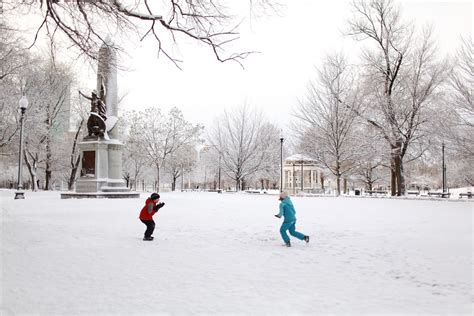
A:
[74,161]
[173,184]
[72,176]
[48,174]
[368,177]
[127,180]
[338,184]
[402,178]
[48,162]
[32,168]
[134,183]
[397,175]
[393,181]
[398,167]
[157,184]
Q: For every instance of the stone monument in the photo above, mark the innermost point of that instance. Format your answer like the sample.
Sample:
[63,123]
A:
[101,150]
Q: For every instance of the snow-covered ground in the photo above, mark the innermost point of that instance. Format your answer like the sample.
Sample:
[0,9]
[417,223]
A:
[222,254]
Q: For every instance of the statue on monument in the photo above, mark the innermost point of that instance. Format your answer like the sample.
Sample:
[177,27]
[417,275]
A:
[96,125]
[101,151]
[103,113]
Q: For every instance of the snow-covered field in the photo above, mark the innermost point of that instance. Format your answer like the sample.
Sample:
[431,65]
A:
[222,254]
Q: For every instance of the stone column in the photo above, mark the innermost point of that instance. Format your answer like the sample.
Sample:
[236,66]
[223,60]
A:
[107,76]
[115,165]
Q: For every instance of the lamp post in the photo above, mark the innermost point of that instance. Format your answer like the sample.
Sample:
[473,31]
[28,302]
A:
[281,164]
[23,103]
[182,178]
[205,177]
[444,170]
[219,173]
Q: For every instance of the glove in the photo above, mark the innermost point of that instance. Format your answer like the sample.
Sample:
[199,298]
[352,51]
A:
[278,215]
[159,205]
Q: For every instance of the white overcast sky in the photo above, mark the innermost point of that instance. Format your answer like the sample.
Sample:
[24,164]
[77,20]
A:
[291,45]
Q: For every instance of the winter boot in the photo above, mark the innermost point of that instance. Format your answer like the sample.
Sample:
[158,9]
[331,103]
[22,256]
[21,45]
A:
[306,238]
[148,238]
[288,243]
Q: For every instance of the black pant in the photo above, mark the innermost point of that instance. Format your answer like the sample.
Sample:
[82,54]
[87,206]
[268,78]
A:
[150,227]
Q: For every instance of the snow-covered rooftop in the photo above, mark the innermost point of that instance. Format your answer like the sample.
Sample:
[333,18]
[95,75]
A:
[299,158]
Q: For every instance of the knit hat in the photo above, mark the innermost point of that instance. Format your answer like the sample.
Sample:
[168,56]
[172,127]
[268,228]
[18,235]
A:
[283,195]
[154,196]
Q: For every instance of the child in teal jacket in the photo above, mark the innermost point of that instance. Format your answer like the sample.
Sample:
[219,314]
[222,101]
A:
[287,210]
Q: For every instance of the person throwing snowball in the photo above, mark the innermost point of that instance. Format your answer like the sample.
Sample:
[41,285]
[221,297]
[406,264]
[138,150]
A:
[288,212]
[146,214]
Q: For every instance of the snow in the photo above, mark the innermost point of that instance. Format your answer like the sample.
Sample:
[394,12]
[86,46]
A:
[299,158]
[222,253]
[455,192]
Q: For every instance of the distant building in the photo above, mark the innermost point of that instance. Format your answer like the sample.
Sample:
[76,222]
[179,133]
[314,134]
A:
[302,174]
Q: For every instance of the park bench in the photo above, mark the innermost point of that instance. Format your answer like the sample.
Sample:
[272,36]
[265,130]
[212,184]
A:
[413,193]
[440,194]
[375,192]
[468,195]
[253,191]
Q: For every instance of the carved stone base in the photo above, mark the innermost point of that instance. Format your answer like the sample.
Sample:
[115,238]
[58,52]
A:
[101,171]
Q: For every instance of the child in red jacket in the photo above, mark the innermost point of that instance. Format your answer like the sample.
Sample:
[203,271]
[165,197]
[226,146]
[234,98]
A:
[146,215]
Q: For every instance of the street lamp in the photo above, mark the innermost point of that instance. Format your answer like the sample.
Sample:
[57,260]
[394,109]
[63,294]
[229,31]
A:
[23,103]
[281,164]
[444,170]
[219,174]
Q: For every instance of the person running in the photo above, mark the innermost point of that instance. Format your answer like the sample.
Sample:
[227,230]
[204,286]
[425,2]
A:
[287,210]
[146,215]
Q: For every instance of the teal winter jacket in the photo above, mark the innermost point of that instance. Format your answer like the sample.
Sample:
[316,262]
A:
[287,210]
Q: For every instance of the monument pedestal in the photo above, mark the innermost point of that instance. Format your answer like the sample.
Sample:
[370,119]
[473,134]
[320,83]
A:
[101,151]
[101,171]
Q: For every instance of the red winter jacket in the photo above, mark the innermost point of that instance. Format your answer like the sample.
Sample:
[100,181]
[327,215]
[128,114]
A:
[148,210]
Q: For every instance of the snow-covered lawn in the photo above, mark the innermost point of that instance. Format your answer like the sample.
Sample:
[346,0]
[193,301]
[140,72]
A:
[222,254]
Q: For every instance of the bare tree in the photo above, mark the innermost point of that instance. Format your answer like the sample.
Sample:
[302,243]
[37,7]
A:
[9,114]
[456,118]
[58,83]
[84,22]
[462,81]
[181,161]
[245,142]
[35,136]
[134,164]
[134,156]
[328,118]
[160,136]
[12,59]
[371,165]
[74,157]
[49,91]
[402,77]
[69,153]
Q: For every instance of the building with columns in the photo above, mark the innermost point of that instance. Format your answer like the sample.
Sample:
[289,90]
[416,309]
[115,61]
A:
[302,174]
